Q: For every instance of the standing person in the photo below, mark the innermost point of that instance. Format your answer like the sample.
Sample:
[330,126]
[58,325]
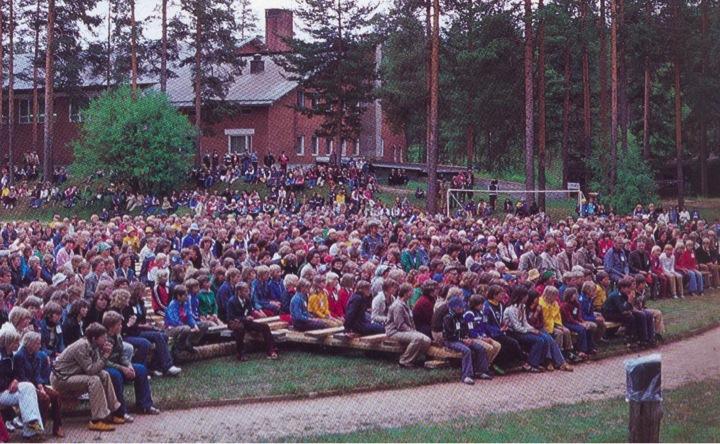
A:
[400,327]
[456,336]
[80,368]
[240,320]
[121,370]
[14,392]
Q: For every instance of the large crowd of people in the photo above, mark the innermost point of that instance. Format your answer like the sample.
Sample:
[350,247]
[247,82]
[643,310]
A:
[512,292]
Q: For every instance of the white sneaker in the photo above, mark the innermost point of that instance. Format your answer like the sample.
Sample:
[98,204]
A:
[17,422]
[173,371]
[468,381]
[84,397]
[157,373]
[9,426]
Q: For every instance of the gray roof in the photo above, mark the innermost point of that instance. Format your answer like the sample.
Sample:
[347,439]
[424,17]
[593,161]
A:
[262,88]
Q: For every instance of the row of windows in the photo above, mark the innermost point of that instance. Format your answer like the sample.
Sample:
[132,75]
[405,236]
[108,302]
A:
[25,108]
[315,147]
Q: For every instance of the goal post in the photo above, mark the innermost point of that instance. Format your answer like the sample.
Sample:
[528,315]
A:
[457,197]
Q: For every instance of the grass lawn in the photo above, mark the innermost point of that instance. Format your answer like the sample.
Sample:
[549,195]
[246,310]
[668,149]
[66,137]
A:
[304,372]
[690,416]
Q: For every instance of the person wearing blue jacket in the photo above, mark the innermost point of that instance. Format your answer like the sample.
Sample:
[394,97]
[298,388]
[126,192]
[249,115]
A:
[226,291]
[593,320]
[240,320]
[456,336]
[478,329]
[51,330]
[357,319]
[616,261]
[301,318]
[260,294]
[510,354]
[278,292]
[180,323]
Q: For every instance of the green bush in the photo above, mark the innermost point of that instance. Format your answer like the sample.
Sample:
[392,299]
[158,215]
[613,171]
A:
[144,143]
[635,181]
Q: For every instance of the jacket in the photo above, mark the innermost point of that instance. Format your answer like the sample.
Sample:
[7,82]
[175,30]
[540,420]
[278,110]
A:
[616,264]
[27,366]
[493,314]
[516,320]
[529,260]
[117,357]
[410,260]
[238,309]
[278,292]
[639,261]
[423,312]
[587,311]
[298,308]
[7,371]
[137,310]
[223,295]
[455,328]
[356,312]
[80,358]
[571,313]
[476,324]
[399,318]
[551,315]
[318,304]
[129,274]
[160,298]
[260,295]
[616,304]
[178,314]
[207,304]
[72,330]
[51,338]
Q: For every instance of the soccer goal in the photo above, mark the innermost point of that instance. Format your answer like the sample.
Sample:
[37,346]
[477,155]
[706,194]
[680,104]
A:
[457,200]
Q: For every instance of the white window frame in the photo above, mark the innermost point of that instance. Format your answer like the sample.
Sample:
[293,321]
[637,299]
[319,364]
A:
[247,133]
[344,148]
[315,142]
[77,117]
[382,147]
[328,146]
[300,99]
[357,147]
[300,147]
[28,118]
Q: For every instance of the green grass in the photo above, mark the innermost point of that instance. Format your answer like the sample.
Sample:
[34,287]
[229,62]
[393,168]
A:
[690,416]
[303,373]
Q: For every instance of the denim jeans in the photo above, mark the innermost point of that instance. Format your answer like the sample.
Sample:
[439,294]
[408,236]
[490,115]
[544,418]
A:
[474,358]
[142,348]
[537,345]
[143,395]
[585,340]
[162,359]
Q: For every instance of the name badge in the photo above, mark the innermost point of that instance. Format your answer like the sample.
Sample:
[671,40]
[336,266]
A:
[137,310]
[457,325]
[58,329]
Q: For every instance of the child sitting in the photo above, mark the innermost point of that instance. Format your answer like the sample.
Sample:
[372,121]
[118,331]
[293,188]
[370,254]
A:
[456,336]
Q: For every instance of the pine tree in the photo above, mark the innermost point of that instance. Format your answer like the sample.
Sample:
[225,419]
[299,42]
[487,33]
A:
[529,105]
[541,103]
[336,64]
[246,19]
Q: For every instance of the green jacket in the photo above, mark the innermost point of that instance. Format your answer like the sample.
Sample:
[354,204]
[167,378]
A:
[208,305]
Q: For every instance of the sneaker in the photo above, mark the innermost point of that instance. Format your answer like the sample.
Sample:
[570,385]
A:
[151,411]
[173,371]
[17,422]
[9,426]
[84,397]
[498,370]
[157,373]
[468,381]
[100,426]
[485,377]
[128,419]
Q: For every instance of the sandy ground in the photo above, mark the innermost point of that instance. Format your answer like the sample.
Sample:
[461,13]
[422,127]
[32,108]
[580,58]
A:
[695,359]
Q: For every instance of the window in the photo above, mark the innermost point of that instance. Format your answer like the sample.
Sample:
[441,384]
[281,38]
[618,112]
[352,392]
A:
[240,144]
[328,146]
[344,148]
[382,147]
[300,146]
[357,147]
[25,111]
[315,146]
[76,107]
[301,99]
[315,100]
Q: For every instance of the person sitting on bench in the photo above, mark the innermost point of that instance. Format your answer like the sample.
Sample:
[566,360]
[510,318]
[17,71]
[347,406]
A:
[240,320]
[400,327]
[618,308]
[357,318]
[302,320]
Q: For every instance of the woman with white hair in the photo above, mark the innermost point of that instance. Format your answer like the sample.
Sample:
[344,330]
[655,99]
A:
[14,393]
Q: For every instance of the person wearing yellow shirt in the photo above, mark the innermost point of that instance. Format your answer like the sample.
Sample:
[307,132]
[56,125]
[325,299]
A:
[601,290]
[318,305]
[553,325]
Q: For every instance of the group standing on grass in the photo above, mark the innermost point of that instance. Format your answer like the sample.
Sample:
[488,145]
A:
[517,292]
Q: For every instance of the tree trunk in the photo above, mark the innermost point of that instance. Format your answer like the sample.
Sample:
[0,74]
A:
[49,92]
[432,155]
[646,111]
[587,123]
[198,85]
[623,111]
[566,117]
[108,71]
[428,68]
[529,124]
[133,49]
[541,105]
[35,74]
[603,68]
[11,90]
[613,95]
[678,136]
[470,143]
[163,53]
[2,80]
[702,159]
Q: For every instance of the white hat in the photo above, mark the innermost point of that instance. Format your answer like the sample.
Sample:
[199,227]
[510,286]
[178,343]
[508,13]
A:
[58,279]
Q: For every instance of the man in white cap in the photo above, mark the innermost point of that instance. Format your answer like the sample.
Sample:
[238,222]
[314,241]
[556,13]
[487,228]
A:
[192,237]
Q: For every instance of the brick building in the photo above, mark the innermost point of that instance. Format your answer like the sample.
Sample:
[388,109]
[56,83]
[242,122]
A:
[265,120]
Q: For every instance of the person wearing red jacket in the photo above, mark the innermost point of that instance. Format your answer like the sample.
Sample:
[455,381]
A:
[424,307]
[335,304]
[347,283]
[686,264]
[659,277]
[571,314]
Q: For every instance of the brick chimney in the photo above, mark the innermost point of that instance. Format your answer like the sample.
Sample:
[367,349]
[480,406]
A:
[257,65]
[278,26]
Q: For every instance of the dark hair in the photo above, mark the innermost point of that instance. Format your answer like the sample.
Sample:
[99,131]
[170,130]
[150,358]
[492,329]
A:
[94,331]
[494,291]
[625,282]
[179,290]
[76,307]
[518,294]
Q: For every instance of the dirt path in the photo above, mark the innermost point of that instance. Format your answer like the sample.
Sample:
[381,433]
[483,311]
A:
[694,359]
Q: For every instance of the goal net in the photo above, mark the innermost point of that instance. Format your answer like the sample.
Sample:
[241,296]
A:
[462,202]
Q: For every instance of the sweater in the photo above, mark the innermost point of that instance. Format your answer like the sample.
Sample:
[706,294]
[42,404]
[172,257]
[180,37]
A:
[476,324]
[318,304]
[179,314]
[516,320]
[551,315]
[207,303]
